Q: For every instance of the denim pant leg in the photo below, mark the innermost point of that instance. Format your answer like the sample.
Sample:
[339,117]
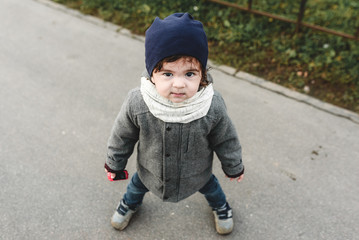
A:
[214,193]
[135,192]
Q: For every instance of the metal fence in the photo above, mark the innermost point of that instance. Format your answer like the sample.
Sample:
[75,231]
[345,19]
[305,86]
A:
[299,23]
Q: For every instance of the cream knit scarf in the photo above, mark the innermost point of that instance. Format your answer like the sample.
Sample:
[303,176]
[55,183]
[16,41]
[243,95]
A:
[184,112]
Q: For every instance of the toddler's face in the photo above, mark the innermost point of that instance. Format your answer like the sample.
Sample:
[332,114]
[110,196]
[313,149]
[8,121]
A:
[179,80]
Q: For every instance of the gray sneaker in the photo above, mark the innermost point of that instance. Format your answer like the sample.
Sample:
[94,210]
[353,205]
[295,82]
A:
[122,216]
[223,219]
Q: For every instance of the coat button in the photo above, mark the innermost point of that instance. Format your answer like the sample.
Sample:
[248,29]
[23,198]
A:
[165,198]
[168,128]
[167,155]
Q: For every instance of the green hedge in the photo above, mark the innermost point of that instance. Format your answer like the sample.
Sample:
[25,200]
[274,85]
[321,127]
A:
[326,65]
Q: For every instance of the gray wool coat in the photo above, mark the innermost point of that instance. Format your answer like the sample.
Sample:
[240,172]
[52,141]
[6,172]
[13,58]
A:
[174,160]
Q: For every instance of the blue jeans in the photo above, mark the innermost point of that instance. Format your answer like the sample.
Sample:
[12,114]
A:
[212,191]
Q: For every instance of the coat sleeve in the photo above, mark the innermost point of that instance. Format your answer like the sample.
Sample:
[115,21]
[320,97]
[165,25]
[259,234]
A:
[123,138]
[224,141]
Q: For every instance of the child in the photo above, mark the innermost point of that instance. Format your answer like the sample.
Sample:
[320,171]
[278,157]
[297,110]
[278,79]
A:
[178,121]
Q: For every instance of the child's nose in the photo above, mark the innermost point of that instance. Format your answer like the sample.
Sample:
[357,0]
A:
[179,82]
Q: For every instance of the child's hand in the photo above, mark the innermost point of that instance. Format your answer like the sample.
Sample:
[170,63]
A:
[110,175]
[240,178]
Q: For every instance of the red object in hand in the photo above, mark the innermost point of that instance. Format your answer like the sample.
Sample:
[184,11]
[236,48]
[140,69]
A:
[119,176]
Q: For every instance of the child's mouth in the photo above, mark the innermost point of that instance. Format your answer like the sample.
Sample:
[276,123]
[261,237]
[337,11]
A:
[177,94]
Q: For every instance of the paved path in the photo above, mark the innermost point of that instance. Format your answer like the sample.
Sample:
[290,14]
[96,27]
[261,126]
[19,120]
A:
[63,78]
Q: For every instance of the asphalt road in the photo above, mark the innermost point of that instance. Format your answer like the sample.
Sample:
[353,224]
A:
[63,77]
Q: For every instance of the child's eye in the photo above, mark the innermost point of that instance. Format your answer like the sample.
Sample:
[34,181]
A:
[190,74]
[167,74]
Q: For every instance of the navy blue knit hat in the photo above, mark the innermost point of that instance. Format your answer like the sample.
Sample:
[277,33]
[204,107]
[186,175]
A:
[177,34]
